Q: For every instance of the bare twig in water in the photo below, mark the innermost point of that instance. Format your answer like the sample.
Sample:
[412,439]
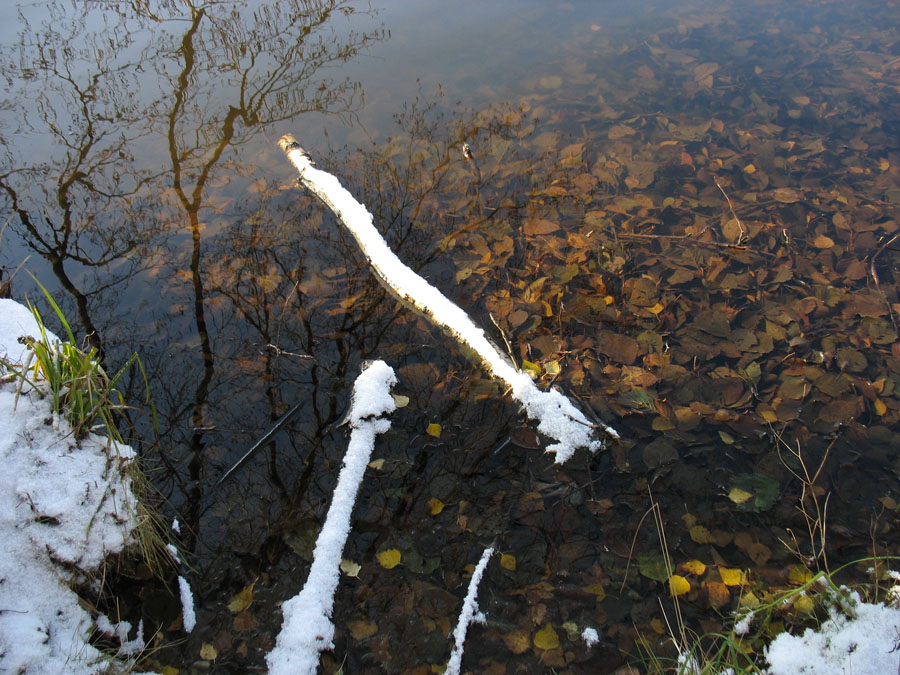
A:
[874,274]
[733,214]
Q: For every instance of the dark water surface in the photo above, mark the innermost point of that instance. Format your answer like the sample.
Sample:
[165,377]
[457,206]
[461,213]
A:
[685,216]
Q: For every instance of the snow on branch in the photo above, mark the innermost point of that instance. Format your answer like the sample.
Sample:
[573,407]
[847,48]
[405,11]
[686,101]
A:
[555,414]
[468,614]
[307,629]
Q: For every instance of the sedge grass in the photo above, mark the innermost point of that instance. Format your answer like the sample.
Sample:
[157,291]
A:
[75,379]
[81,390]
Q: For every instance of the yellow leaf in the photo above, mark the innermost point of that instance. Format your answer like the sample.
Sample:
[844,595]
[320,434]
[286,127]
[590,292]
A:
[880,407]
[695,567]
[731,577]
[656,309]
[700,534]
[242,600]
[739,496]
[769,416]
[804,604]
[749,600]
[823,242]
[750,169]
[389,559]
[400,400]
[350,568]
[799,575]
[657,625]
[883,164]
[596,589]
[679,585]
[546,638]
[552,367]
[436,506]
[208,652]
[531,368]
[508,562]
[376,464]
[169,670]
[433,429]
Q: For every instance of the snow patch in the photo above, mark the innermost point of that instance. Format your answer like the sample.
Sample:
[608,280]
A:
[863,644]
[63,505]
[188,616]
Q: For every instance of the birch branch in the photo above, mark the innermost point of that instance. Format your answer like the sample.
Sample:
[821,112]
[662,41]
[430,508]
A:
[468,614]
[307,629]
[555,414]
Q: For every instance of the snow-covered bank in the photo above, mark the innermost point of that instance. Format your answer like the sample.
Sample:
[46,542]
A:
[64,507]
[866,644]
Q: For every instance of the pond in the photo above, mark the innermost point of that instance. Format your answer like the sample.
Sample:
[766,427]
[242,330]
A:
[682,214]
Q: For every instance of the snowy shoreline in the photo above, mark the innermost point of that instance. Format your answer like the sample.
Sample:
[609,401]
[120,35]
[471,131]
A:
[64,508]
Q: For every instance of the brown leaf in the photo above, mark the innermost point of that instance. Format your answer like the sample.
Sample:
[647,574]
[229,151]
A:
[823,242]
[620,348]
[704,70]
[717,593]
[786,195]
[362,629]
[535,226]
[517,641]
[245,622]
[620,131]
[524,437]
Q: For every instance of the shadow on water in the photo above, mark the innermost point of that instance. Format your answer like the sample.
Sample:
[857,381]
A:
[681,217]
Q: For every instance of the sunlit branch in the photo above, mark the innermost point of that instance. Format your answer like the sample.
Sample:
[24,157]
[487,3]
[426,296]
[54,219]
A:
[557,417]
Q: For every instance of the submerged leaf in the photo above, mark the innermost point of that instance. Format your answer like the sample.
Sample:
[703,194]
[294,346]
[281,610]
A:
[732,577]
[695,567]
[435,506]
[389,559]
[762,489]
[350,568]
[546,638]
[653,566]
[242,600]
[678,585]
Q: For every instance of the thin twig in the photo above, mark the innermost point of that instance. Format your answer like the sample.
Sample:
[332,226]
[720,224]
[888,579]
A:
[874,274]
[733,214]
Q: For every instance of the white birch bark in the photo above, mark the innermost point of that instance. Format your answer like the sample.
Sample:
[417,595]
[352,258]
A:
[555,414]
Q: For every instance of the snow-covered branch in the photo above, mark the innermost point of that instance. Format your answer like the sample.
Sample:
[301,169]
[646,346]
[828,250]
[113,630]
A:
[555,414]
[307,629]
[468,614]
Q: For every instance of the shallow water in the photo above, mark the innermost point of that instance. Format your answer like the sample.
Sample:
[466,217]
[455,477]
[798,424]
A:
[685,217]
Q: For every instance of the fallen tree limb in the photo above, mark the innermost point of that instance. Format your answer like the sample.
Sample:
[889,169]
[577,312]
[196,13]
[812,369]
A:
[307,629]
[468,614]
[557,417]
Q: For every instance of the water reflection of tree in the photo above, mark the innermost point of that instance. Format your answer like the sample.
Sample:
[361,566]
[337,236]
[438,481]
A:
[296,281]
[233,75]
[77,198]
